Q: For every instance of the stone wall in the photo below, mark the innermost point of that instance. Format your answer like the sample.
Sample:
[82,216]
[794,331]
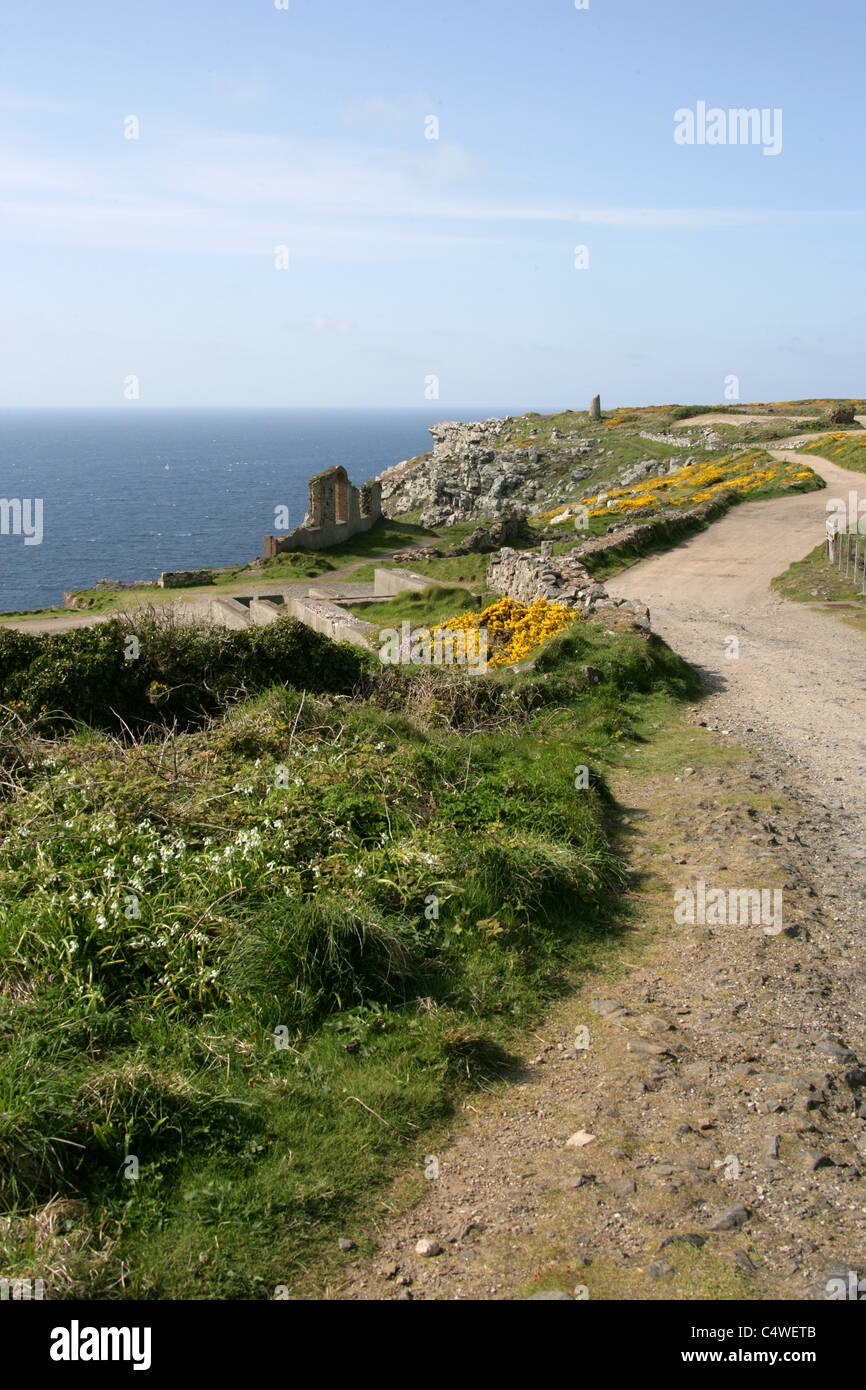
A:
[527,575]
[184,579]
[338,511]
[642,535]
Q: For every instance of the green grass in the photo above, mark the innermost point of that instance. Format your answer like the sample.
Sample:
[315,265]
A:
[847,451]
[174,910]
[431,605]
[387,535]
[813,580]
[454,569]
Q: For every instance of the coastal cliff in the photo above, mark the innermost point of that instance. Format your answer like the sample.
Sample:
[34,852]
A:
[535,462]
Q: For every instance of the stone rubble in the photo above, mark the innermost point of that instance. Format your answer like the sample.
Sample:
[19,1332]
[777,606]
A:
[527,575]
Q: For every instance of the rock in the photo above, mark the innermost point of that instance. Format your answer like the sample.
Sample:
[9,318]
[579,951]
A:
[550,1296]
[623,1187]
[427,1248]
[742,1259]
[647,1049]
[812,1160]
[595,408]
[346,1245]
[838,1052]
[687,1238]
[856,1077]
[579,1140]
[511,526]
[730,1219]
[659,1269]
[609,1008]
[528,575]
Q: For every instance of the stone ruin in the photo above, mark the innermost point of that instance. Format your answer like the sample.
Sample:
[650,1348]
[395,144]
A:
[527,575]
[338,510]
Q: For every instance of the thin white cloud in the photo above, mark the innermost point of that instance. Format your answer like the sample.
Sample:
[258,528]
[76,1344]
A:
[197,191]
[200,231]
[322,323]
[51,176]
[378,112]
[25,105]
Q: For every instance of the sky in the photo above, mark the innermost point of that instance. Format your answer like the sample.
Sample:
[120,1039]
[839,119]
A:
[378,203]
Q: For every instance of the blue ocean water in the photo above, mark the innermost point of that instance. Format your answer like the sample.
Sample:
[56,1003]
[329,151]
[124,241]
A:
[128,493]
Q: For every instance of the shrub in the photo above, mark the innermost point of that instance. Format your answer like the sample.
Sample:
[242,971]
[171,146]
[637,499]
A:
[175,673]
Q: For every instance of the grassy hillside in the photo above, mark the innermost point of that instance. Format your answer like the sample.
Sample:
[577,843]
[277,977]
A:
[841,448]
[249,960]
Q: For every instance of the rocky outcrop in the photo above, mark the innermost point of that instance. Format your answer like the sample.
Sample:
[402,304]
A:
[480,470]
[485,469]
[465,476]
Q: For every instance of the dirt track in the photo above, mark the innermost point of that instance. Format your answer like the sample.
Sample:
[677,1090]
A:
[799,678]
[718,1145]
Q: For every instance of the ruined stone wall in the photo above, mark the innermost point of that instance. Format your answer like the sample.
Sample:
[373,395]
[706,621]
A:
[184,579]
[527,575]
[338,511]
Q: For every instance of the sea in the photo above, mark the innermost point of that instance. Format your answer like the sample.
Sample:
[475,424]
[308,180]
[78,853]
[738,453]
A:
[128,493]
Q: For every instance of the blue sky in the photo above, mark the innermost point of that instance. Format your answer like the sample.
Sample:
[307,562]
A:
[412,258]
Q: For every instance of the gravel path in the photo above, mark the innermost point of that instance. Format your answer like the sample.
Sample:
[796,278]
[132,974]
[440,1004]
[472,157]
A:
[799,677]
[706,1140]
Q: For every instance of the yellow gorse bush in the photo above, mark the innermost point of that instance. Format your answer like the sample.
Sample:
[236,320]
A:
[840,446]
[513,629]
[743,471]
